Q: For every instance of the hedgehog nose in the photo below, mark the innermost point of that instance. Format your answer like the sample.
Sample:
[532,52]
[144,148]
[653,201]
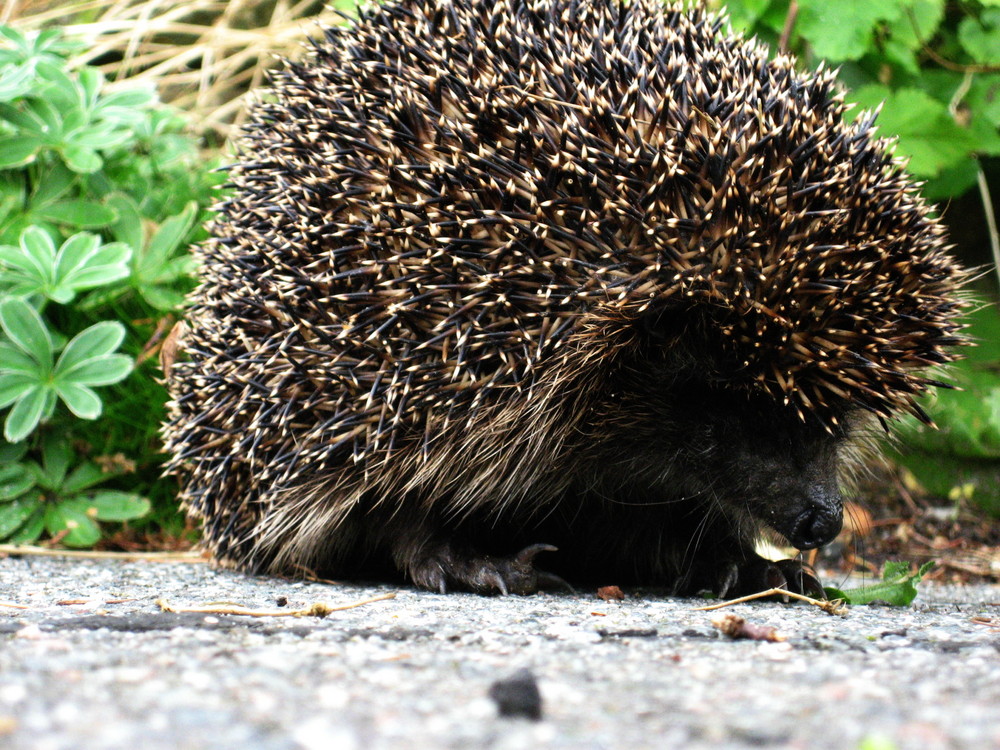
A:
[816,525]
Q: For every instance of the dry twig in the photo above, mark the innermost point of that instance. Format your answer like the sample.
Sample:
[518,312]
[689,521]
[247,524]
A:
[28,550]
[832,606]
[316,609]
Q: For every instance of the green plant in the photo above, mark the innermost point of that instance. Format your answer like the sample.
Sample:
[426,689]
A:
[101,193]
[32,380]
[34,267]
[47,496]
[933,69]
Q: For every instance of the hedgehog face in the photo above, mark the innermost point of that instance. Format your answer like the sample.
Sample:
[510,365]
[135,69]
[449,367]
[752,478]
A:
[783,471]
[685,425]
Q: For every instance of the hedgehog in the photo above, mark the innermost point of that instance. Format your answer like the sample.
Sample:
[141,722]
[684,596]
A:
[588,278]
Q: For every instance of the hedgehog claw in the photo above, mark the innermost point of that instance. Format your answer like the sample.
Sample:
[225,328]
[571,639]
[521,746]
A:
[484,574]
[756,575]
[728,580]
[528,554]
[552,581]
[801,578]
[495,580]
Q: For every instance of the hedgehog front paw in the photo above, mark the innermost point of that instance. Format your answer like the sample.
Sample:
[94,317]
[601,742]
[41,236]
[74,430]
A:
[444,567]
[757,574]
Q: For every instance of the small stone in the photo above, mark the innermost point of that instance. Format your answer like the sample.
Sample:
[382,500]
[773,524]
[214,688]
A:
[518,696]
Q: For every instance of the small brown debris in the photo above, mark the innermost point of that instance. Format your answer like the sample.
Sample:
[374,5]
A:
[610,593]
[735,626]
[857,520]
[116,463]
[168,350]
[991,622]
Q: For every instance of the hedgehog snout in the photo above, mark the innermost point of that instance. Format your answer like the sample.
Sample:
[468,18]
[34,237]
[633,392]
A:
[817,523]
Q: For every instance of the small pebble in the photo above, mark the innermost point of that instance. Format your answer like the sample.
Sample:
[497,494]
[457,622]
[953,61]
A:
[518,696]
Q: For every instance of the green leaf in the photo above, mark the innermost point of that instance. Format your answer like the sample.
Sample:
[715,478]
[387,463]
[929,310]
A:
[79,399]
[898,588]
[74,254]
[102,138]
[56,455]
[953,181]
[981,37]
[78,213]
[82,159]
[18,150]
[12,452]
[31,529]
[101,371]
[110,263]
[128,228]
[15,362]
[136,98]
[15,80]
[97,341]
[14,258]
[37,245]
[26,120]
[90,82]
[52,183]
[112,505]
[925,15]
[49,117]
[984,98]
[83,476]
[843,30]
[14,386]
[162,298]
[14,514]
[927,133]
[166,241]
[25,415]
[16,38]
[15,480]
[82,262]
[23,325]
[76,516]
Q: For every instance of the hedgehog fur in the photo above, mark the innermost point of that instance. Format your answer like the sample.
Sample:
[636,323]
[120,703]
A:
[503,277]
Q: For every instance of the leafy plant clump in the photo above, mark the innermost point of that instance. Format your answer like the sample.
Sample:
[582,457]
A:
[101,192]
[48,496]
[932,67]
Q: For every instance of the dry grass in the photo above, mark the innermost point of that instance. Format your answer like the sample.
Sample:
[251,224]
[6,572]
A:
[202,55]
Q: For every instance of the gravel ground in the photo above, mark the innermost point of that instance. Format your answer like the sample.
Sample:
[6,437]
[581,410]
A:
[92,662]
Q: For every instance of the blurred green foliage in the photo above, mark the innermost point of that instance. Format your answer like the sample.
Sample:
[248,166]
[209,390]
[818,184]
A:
[932,65]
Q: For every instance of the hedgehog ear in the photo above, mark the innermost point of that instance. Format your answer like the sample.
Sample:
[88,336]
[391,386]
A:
[691,340]
[693,325]
[662,326]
